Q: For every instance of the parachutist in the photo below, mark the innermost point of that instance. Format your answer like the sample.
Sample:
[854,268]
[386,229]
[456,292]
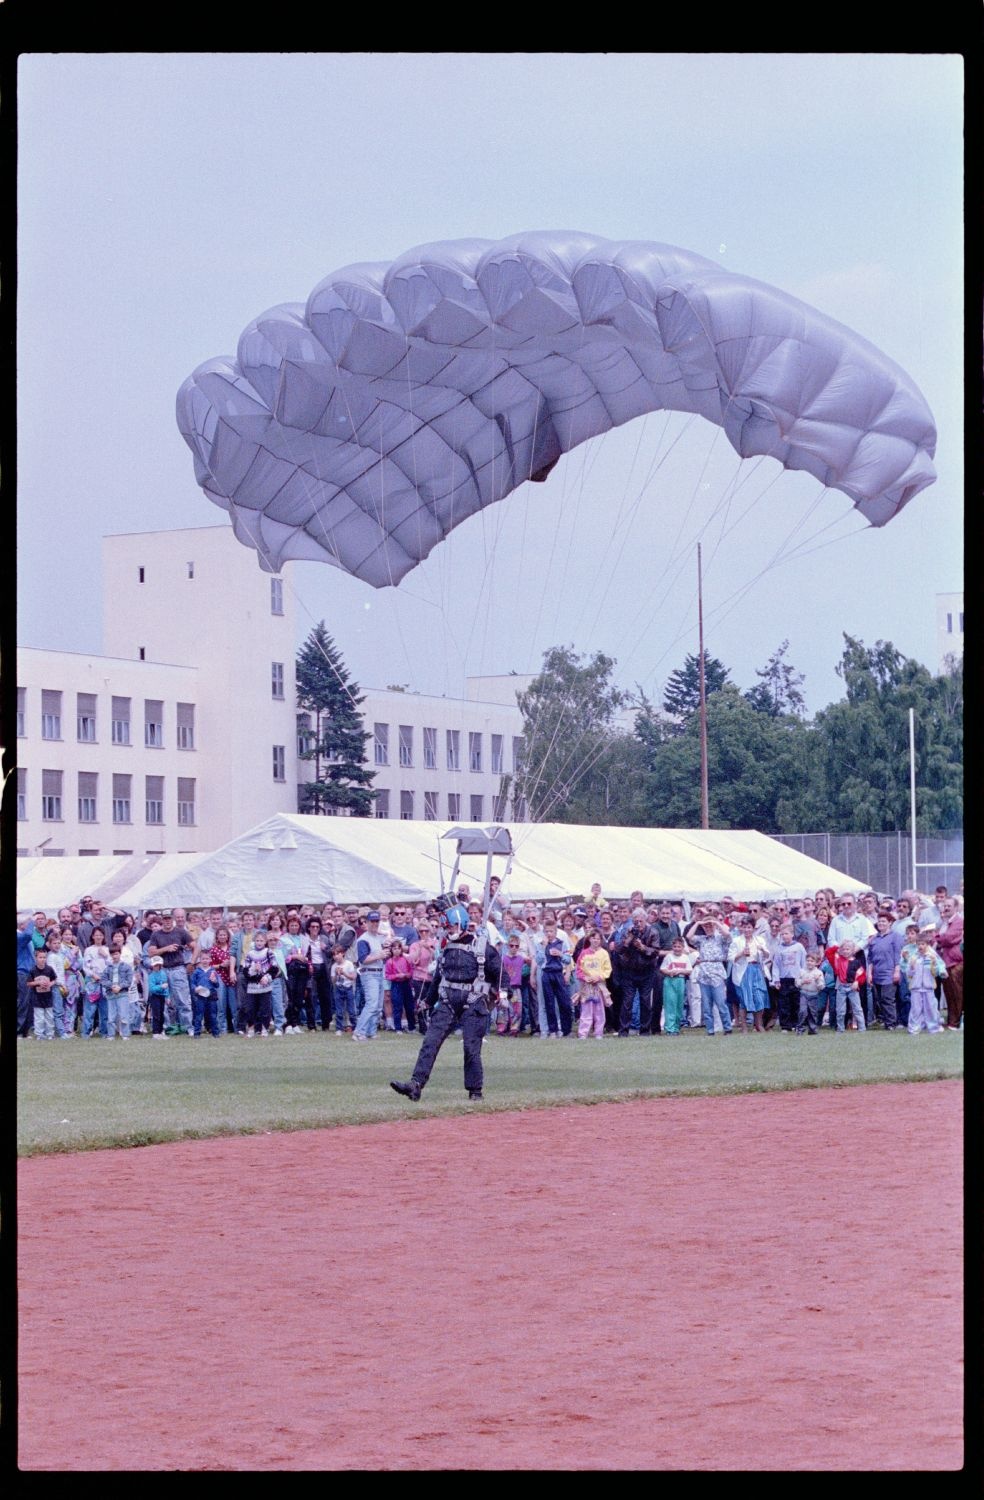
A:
[468,968]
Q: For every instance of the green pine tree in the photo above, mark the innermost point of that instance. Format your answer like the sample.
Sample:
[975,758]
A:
[336,737]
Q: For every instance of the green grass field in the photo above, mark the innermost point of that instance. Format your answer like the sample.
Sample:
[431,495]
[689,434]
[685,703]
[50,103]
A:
[91,1094]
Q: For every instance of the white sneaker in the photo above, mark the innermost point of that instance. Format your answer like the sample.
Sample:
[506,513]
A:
[249,1031]
[159,1036]
[278,1032]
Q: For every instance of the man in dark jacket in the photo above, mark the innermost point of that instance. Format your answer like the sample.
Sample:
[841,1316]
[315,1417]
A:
[467,969]
[636,953]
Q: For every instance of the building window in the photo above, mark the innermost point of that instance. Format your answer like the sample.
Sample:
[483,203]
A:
[430,749]
[518,748]
[50,715]
[960,617]
[474,751]
[497,755]
[305,734]
[121,797]
[280,762]
[21,713]
[86,717]
[21,794]
[454,806]
[277,679]
[154,799]
[498,807]
[121,721]
[51,796]
[88,786]
[143,653]
[454,750]
[430,807]
[382,805]
[153,723]
[406,806]
[476,809]
[406,745]
[89,852]
[380,734]
[186,801]
[520,806]
[186,726]
[276,596]
[949,624]
[191,570]
[140,575]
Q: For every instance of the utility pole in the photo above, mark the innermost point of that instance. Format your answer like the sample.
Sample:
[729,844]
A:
[705,821]
[912,791]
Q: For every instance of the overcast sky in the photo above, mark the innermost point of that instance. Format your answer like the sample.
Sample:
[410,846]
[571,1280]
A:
[166,200]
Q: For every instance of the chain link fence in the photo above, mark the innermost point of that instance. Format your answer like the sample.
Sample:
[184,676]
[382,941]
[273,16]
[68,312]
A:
[884,860]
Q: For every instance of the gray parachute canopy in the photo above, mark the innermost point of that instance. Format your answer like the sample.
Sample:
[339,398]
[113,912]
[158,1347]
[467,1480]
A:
[361,428]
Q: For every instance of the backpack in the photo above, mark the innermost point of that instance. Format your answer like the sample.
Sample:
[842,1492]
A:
[459,964]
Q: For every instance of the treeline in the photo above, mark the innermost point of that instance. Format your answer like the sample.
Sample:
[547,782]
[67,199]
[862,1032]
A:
[769,767]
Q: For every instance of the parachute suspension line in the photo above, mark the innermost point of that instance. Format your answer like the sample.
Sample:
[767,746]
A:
[672,558]
[656,463]
[718,612]
[258,544]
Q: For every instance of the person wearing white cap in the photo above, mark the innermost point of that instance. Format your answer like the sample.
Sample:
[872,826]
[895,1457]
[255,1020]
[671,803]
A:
[371,953]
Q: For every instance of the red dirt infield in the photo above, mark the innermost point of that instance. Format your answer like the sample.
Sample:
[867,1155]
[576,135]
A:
[770,1281]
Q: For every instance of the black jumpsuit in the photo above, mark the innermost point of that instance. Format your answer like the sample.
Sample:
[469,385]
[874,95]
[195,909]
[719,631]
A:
[458,1005]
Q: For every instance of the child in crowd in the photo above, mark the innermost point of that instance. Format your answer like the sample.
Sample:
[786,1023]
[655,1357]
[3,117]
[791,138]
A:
[512,982]
[158,995]
[594,967]
[343,980]
[204,1000]
[260,969]
[116,981]
[849,973]
[909,950]
[923,969]
[811,983]
[788,962]
[42,983]
[676,968]
[398,973]
[827,1004]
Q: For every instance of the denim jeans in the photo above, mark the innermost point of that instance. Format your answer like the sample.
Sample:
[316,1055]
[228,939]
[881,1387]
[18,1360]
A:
[64,1011]
[92,1007]
[372,989]
[345,1012]
[846,994]
[44,1023]
[177,979]
[205,1013]
[25,1004]
[277,1003]
[118,1013]
[227,1001]
[714,995]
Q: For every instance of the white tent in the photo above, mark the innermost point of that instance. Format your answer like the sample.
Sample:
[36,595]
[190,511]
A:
[293,858]
[117,879]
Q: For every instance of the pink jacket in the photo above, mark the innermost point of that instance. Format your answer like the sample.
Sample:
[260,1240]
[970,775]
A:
[948,941]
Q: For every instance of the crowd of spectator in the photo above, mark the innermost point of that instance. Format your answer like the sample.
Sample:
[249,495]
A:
[593,968]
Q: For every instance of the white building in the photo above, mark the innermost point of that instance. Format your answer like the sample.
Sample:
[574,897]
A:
[186,732]
[949,628]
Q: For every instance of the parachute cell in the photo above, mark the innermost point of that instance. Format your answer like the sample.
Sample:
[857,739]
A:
[362,427]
